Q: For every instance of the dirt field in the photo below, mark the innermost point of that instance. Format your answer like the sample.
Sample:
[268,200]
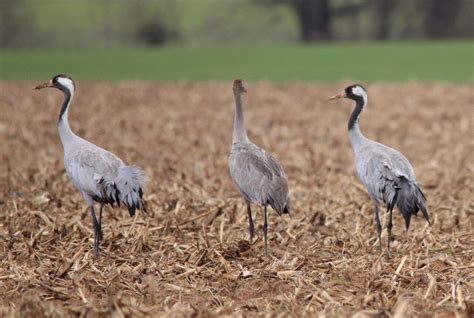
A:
[190,256]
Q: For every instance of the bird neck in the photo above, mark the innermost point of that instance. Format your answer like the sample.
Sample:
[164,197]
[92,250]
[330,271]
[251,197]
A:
[355,135]
[65,132]
[239,134]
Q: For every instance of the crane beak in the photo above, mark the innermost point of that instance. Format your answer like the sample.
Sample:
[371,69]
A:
[44,85]
[338,96]
[244,89]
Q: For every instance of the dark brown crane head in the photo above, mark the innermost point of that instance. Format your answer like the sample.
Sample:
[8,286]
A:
[239,87]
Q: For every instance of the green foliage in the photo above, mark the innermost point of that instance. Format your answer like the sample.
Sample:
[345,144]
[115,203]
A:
[97,24]
[124,23]
[446,61]
[17,25]
[243,21]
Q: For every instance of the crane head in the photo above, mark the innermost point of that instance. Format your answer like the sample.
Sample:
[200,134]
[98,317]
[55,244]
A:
[355,91]
[239,87]
[61,81]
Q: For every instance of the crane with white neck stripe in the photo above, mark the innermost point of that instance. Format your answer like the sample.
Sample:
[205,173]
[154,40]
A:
[386,174]
[101,176]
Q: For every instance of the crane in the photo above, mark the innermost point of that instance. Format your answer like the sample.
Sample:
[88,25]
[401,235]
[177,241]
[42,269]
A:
[98,174]
[386,173]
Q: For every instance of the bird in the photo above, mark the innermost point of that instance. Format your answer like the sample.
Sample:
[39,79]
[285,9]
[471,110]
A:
[98,174]
[256,174]
[387,174]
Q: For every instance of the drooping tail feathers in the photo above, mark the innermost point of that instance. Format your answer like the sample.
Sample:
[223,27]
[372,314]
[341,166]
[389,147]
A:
[279,198]
[287,209]
[409,199]
[131,182]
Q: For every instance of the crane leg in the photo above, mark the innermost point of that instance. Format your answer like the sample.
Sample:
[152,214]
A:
[96,226]
[390,207]
[100,222]
[389,230]
[251,228]
[378,226]
[265,229]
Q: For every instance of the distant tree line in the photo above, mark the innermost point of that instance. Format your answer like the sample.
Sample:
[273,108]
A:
[145,22]
[16,24]
[155,22]
[436,18]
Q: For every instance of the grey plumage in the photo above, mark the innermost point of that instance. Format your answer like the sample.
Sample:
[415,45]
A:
[386,174]
[100,175]
[104,178]
[389,179]
[257,175]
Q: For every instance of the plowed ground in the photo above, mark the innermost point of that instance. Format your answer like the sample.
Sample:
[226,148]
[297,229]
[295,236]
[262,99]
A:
[190,256]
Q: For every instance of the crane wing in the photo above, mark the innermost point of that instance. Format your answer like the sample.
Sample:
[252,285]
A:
[250,175]
[379,168]
[259,177]
[90,170]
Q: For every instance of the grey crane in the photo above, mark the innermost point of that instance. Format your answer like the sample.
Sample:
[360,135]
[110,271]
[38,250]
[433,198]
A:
[101,176]
[257,174]
[386,174]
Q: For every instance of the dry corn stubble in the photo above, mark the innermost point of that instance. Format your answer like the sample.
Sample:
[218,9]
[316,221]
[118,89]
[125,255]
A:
[190,255]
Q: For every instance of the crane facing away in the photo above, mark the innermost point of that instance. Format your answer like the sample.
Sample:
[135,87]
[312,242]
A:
[101,176]
[256,174]
[386,174]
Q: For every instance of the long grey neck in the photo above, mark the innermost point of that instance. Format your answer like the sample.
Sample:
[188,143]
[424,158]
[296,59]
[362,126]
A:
[239,134]
[355,135]
[65,132]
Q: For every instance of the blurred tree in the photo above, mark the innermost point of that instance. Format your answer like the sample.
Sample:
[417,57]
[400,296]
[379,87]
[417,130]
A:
[315,19]
[154,32]
[384,9]
[17,24]
[441,17]
[156,21]
[464,25]
[121,23]
[381,19]
[315,16]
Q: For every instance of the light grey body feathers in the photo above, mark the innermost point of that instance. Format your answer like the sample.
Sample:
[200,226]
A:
[378,166]
[389,178]
[103,177]
[258,176]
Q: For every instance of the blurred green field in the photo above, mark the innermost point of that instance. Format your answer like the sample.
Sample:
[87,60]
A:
[447,61]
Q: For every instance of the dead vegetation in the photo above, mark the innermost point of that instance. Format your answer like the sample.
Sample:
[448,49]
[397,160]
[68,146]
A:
[190,257]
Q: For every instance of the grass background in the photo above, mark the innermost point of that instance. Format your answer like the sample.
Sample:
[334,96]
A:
[445,61]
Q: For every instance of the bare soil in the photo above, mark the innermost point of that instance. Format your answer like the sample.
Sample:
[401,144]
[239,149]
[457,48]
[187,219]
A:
[191,256]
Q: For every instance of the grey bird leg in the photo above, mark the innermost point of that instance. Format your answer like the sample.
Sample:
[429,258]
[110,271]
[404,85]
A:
[390,207]
[378,226]
[251,229]
[95,224]
[389,230]
[100,222]
[265,229]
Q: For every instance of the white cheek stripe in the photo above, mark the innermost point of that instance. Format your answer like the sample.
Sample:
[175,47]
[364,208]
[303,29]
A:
[359,91]
[66,82]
